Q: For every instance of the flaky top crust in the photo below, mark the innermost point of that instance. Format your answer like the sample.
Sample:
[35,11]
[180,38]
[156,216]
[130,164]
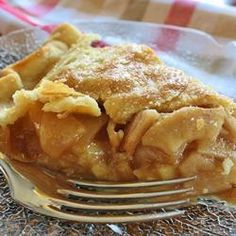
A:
[123,79]
[128,78]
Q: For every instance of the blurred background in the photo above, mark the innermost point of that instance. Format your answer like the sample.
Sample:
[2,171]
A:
[216,17]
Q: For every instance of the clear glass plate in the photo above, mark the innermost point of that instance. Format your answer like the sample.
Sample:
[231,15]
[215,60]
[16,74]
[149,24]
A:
[193,51]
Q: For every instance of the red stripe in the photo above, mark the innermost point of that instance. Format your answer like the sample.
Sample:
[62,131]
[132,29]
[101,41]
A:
[49,28]
[17,13]
[21,16]
[42,8]
[179,14]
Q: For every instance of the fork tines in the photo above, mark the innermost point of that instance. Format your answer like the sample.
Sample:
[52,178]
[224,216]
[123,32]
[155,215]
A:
[125,199]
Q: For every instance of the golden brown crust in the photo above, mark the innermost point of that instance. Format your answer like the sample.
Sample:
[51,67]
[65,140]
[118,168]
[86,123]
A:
[27,72]
[126,78]
[9,83]
[35,66]
[66,33]
[62,100]
[129,78]
[112,75]
[70,35]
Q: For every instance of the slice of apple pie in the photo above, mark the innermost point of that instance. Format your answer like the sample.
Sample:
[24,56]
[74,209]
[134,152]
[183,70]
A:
[115,113]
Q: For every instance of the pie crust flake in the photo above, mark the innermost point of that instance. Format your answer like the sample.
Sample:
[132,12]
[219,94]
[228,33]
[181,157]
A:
[115,113]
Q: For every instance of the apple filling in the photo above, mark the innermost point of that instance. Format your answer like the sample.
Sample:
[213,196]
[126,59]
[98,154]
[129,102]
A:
[187,142]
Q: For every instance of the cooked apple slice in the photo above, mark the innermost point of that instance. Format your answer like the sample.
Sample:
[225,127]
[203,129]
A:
[184,126]
[91,125]
[137,128]
[57,135]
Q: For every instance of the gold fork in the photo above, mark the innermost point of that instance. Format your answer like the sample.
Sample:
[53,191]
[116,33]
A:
[113,198]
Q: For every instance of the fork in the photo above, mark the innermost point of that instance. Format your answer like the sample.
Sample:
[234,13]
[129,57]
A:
[116,199]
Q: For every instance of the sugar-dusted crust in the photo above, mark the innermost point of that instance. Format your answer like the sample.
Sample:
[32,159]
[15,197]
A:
[129,78]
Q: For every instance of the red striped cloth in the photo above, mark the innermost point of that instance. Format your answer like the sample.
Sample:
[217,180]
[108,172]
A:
[219,20]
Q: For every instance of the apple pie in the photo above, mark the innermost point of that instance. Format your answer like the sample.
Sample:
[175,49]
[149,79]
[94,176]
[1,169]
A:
[115,113]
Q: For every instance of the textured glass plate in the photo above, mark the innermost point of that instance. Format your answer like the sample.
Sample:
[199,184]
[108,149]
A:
[195,52]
